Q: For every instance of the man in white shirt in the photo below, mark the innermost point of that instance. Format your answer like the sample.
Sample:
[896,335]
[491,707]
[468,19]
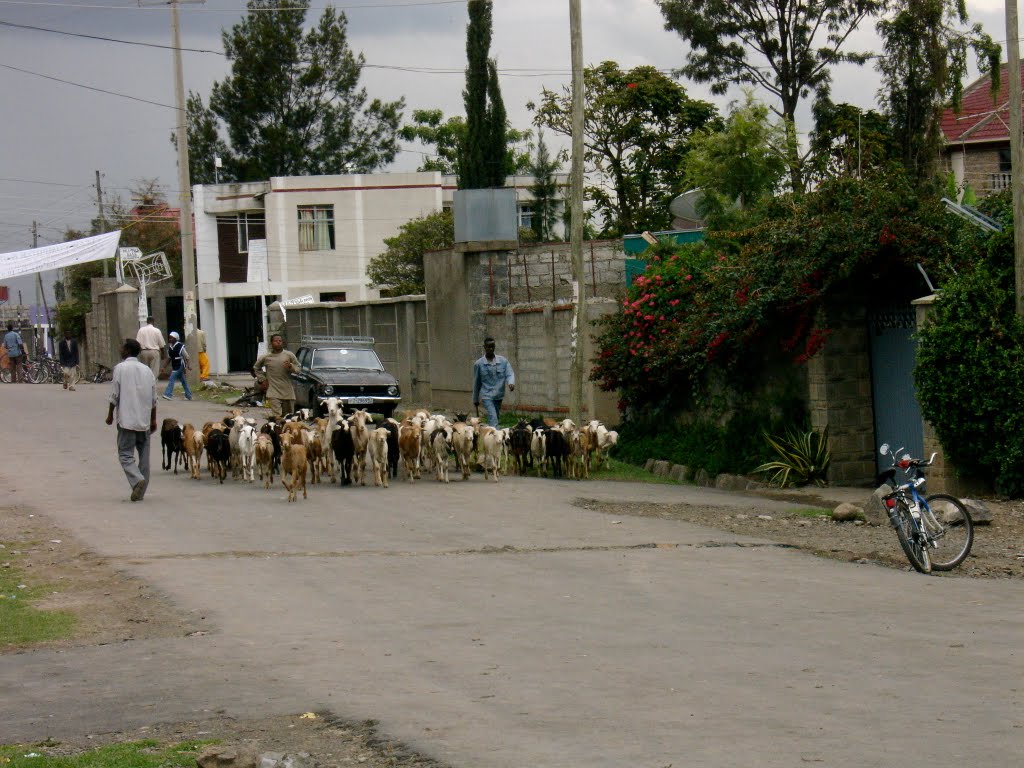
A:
[134,397]
[152,343]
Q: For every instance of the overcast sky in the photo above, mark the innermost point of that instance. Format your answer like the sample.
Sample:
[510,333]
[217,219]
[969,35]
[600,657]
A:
[55,135]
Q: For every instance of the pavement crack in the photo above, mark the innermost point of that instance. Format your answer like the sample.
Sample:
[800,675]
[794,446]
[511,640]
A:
[506,549]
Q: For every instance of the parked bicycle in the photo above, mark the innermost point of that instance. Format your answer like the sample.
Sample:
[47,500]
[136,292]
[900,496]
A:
[31,372]
[102,374]
[936,532]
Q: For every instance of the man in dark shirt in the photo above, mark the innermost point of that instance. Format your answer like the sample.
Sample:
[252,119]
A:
[67,352]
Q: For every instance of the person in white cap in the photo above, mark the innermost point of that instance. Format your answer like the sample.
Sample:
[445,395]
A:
[178,358]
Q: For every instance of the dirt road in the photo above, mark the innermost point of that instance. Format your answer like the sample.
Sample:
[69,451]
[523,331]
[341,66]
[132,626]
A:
[505,625]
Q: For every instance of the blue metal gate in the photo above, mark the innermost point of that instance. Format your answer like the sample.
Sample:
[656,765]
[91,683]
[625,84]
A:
[893,352]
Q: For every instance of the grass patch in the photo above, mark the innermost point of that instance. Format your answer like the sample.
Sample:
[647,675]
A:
[132,754]
[811,512]
[629,473]
[20,623]
[218,395]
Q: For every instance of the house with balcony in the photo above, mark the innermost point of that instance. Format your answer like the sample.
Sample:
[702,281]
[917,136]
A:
[299,237]
[978,136]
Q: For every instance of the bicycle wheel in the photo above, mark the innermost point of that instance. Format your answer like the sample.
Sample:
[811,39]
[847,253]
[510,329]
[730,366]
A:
[911,540]
[35,374]
[951,530]
[5,375]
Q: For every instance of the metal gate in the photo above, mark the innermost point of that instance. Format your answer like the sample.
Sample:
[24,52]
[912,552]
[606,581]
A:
[244,326]
[893,353]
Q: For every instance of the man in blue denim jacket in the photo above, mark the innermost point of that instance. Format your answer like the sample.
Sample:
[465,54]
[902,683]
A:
[490,375]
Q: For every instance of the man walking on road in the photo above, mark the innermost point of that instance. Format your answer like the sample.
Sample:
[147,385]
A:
[16,354]
[490,375]
[152,343]
[133,394]
[278,364]
[67,351]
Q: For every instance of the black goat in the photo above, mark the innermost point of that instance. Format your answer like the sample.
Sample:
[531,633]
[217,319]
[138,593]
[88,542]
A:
[344,452]
[172,444]
[218,453]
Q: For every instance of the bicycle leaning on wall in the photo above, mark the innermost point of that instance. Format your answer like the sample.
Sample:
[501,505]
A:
[936,532]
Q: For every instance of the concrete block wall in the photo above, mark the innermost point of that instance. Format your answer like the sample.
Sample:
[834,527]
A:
[840,397]
[980,165]
[543,273]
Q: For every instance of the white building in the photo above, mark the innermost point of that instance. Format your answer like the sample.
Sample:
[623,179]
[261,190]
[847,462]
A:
[320,233]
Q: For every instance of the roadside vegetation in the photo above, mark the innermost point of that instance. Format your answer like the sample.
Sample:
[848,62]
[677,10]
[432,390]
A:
[21,623]
[135,754]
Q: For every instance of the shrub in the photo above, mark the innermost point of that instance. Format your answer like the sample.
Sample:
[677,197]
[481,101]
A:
[712,443]
[801,458]
[700,310]
[969,370]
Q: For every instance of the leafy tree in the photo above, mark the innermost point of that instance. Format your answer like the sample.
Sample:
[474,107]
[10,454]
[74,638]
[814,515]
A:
[545,193]
[738,164]
[399,270]
[204,144]
[429,127]
[483,155]
[923,69]
[847,140]
[292,104]
[637,128]
[785,47]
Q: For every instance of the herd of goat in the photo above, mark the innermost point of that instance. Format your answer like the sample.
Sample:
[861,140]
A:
[341,446]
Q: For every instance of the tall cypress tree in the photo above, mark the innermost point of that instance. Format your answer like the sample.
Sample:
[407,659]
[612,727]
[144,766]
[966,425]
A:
[472,165]
[496,156]
[544,191]
[484,158]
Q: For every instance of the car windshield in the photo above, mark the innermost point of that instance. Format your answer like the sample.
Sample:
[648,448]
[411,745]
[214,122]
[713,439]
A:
[346,358]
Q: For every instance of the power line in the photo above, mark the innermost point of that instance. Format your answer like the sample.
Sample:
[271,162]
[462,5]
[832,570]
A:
[105,39]
[86,87]
[365,6]
[49,183]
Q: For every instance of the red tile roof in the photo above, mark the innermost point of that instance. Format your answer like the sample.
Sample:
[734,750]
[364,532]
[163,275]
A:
[981,118]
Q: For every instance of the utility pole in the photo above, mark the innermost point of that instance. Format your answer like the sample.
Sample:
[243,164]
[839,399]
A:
[188,262]
[39,288]
[103,221]
[1016,154]
[579,293]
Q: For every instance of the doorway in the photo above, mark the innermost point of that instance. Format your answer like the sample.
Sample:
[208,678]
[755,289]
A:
[243,327]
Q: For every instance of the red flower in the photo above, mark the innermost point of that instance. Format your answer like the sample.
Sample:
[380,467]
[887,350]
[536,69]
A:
[631,85]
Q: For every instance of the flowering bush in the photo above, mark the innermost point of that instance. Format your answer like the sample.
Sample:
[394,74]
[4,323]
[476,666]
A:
[740,295]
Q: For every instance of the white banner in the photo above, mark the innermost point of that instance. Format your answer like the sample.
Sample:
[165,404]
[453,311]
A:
[259,269]
[59,255]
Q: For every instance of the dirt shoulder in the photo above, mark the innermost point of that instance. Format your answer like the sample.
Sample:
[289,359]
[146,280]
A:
[997,553]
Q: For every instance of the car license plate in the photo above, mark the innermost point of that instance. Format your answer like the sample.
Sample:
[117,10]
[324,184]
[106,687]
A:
[360,401]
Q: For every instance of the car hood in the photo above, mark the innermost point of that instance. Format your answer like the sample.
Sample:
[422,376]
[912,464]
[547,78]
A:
[364,378]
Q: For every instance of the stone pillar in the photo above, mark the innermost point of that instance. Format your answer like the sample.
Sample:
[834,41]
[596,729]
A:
[839,395]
